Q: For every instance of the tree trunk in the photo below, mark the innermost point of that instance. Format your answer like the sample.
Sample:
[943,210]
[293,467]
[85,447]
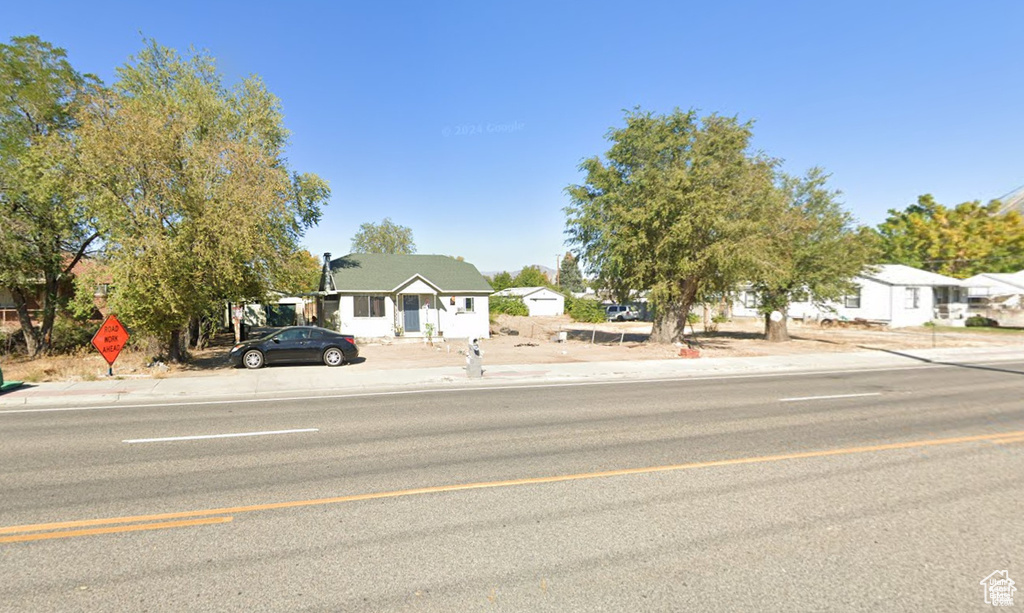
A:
[50,297]
[670,319]
[174,354]
[776,331]
[27,328]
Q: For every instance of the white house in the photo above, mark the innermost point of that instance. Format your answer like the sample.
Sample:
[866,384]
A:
[539,301]
[998,296]
[985,286]
[378,295]
[893,294]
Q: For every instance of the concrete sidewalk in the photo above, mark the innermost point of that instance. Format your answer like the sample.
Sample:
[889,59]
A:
[282,381]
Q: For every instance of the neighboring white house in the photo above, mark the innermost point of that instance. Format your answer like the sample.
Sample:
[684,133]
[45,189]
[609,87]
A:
[893,294]
[539,301]
[378,295]
[998,296]
[984,286]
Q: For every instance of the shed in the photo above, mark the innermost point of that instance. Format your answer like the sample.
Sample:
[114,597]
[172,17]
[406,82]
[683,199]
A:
[540,301]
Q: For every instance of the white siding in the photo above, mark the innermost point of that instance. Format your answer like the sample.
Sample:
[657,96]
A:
[436,310]
[878,302]
[545,303]
[366,327]
[459,323]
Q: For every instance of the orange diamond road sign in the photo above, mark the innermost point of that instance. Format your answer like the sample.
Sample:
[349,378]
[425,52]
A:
[110,339]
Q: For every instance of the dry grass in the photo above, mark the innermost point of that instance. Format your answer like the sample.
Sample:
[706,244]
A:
[532,345]
[87,365]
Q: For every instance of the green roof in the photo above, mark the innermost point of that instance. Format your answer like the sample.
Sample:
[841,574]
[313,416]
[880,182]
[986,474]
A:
[380,272]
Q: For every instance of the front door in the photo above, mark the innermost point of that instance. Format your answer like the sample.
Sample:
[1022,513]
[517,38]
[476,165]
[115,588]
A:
[411,307]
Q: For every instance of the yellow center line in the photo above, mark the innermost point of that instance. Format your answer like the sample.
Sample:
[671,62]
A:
[1006,436]
[112,529]
[1004,441]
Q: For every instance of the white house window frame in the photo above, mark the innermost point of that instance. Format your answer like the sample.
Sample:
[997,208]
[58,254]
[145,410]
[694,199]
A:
[469,305]
[369,301]
[912,298]
[750,300]
[852,301]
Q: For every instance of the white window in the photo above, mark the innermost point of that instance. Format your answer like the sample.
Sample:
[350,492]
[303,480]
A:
[852,301]
[469,305]
[913,297]
[750,300]
[368,306]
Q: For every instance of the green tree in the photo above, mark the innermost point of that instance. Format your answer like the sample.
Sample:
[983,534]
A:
[677,207]
[502,280]
[385,237]
[300,274]
[569,277]
[817,250]
[44,230]
[188,181]
[960,242]
[530,276]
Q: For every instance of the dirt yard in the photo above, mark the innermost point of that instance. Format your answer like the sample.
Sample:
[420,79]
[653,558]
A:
[535,340]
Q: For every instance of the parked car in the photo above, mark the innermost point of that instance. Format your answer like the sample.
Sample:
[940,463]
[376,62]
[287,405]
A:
[620,312]
[296,344]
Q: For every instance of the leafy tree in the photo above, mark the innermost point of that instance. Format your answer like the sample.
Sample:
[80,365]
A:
[44,231]
[385,237]
[569,277]
[677,207]
[299,274]
[963,241]
[530,276]
[502,280]
[585,309]
[817,250]
[188,181]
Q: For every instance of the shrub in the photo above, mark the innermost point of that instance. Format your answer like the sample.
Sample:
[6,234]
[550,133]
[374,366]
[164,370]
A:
[71,334]
[583,309]
[508,305]
[692,318]
[719,318]
[979,321]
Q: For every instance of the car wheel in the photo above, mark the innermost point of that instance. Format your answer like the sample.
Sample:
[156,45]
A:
[619,318]
[253,359]
[334,357]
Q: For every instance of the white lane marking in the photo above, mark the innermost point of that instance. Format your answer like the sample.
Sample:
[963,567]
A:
[484,388]
[829,397]
[206,436]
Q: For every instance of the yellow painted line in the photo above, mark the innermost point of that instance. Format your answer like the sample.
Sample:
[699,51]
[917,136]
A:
[1007,441]
[512,482]
[20,538]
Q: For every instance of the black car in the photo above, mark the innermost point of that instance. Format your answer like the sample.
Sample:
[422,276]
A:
[296,344]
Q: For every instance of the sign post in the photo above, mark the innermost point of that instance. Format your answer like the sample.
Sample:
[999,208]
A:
[109,340]
[237,313]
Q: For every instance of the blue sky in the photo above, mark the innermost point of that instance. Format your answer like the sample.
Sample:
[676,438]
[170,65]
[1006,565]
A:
[465,121]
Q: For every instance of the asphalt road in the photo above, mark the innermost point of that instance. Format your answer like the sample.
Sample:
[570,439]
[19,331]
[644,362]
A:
[864,491]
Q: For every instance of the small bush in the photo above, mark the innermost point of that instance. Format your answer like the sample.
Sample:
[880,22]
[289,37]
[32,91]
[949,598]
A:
[979,321]
[719,318]
[585,310]
[508,305]
[692,318]
[70,334]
